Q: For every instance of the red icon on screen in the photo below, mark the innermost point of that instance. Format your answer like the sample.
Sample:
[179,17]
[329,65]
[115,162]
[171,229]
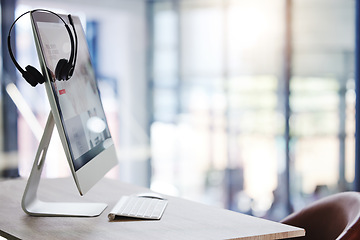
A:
[62,91]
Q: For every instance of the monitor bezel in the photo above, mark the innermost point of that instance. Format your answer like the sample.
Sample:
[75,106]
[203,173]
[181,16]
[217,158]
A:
[89,174]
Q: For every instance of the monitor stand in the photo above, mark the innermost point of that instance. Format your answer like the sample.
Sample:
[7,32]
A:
[35,207]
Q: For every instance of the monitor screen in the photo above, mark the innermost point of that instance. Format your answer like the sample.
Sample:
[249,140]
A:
[76,102]
[78,98]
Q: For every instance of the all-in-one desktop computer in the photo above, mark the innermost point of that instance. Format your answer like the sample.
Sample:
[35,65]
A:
[78,114]
[76,110]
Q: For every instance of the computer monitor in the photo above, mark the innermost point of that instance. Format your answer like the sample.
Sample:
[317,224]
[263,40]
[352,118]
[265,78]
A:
[76,106]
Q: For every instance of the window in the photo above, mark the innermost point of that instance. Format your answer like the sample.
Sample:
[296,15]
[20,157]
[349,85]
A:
[218,131]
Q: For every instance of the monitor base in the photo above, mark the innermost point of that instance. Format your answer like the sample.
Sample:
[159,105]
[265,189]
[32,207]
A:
[35,207]
[63,209]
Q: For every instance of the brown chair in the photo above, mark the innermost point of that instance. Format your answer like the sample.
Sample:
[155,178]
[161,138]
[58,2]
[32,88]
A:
[331,218]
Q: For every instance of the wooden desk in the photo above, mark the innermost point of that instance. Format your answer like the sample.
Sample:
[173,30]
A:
[182,219]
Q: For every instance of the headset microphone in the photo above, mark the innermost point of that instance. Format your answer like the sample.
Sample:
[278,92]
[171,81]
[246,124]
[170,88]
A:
[64,68]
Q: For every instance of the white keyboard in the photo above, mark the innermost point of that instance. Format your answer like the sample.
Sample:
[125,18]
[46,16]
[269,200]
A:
[139,207]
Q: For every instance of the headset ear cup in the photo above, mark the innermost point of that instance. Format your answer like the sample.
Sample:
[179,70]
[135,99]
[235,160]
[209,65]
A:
[33,76]
[59,67]
[62,69]
[29,78]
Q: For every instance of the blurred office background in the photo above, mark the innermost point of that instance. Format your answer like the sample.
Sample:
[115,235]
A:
[242,104]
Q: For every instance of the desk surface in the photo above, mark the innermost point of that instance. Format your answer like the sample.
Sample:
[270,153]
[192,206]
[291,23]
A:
[182,219]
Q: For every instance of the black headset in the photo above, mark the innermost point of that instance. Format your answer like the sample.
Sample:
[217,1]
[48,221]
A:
[64,68]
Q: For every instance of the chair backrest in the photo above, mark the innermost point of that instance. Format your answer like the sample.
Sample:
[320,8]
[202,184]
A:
[334,217]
